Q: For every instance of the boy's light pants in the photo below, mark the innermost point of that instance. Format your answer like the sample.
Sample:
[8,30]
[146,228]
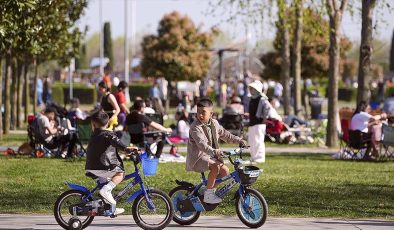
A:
[256,137]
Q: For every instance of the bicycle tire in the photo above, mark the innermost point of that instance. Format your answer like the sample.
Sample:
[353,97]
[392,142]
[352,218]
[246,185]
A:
[168,206]
[242,215]
[58,204]
[177,218]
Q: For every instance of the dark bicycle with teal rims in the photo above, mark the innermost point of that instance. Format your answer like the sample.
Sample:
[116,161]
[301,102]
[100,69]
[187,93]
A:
[250,204]
[152,209]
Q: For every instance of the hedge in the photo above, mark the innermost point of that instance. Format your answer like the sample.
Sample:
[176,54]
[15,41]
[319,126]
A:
[389,91]
[140,90]
[85,94]
[345,94]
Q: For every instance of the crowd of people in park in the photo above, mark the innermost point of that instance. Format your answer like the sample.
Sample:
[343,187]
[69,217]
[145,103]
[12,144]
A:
[246,99]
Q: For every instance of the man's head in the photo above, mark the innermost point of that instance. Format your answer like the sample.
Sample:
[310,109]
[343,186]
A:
[50,112]
[99,119]
[139,105]
[204,110]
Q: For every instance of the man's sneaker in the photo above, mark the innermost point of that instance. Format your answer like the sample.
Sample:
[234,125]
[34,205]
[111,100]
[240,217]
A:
[118,211]
[106,194]
[210,197]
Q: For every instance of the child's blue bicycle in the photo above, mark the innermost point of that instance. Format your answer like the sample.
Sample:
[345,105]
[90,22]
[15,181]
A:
[76,208]
[250,205]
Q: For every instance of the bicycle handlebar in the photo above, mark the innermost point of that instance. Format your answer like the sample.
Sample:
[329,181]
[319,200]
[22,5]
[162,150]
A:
[228,154]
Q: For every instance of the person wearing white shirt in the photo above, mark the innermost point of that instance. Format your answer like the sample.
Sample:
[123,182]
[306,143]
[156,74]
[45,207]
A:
[367,123]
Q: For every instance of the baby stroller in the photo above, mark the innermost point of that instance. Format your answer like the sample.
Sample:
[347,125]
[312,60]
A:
[233,122]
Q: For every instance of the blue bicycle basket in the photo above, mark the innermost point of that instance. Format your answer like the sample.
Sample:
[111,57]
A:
[149,166]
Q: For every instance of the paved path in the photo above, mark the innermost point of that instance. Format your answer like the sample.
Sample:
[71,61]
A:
[205,222]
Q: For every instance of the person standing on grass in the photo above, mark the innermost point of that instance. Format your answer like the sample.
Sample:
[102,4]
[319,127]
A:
[203,150]
[121,100]
[258,112]
[108,103]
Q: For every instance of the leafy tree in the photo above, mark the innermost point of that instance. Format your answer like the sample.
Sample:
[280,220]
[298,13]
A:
[34,31]
[178,52]
[108,51]
[314,49]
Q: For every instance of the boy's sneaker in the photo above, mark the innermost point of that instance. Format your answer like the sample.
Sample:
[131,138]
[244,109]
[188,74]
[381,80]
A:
[210,197]
[118,211]
[107,195]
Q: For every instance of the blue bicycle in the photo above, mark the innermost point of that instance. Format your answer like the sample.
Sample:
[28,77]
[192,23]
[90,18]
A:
[76,208]
[250,205]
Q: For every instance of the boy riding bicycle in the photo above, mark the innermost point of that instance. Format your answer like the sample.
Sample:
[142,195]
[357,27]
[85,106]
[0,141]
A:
[103,160]
[203,148]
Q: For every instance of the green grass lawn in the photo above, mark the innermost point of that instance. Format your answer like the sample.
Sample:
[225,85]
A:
[297,185]
[13,139]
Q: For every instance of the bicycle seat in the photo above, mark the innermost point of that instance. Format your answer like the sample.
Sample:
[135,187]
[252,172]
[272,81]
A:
[91,175]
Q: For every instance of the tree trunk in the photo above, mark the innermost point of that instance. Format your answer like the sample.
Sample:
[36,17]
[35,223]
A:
[26,91]
[285,54]
[296,58]
[364,67]
[305,100]
[392,54]
[2,71]
[7,105]
[35,86]
[19,89]
[13,93]
[335,15]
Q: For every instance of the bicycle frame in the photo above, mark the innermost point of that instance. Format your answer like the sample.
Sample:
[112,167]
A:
[137,180]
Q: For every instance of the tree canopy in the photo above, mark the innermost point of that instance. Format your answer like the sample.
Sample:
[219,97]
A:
[178,52]
[41,28]
[314,50]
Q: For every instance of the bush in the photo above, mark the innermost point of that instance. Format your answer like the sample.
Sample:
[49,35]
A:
[389,91]
[347,94]
[140,90]
[85,94]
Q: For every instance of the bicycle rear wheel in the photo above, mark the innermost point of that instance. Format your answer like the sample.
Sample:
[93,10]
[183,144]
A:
[159,217]
[62,208]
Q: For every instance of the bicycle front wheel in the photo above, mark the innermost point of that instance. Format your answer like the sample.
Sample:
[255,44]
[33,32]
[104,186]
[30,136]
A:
[252,209]
[152,219]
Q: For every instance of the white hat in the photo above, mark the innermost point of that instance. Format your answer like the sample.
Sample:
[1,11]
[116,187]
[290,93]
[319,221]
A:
[257,85]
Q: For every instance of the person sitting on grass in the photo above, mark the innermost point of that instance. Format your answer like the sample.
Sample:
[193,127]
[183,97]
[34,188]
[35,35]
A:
[102,160]
[203,148]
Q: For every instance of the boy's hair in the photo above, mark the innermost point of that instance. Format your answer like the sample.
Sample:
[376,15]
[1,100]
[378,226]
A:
[50,110]
[205,102]
[100,119]
[138,104]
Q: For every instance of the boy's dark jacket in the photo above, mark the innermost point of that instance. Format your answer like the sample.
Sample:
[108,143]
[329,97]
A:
[102,151]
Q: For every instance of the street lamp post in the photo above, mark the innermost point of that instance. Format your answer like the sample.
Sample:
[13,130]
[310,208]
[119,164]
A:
[221,71]
[101,38]
[126,51]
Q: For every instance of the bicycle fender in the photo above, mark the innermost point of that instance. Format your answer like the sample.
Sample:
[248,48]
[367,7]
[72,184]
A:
[184,183]
[78,187]
[136,194]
